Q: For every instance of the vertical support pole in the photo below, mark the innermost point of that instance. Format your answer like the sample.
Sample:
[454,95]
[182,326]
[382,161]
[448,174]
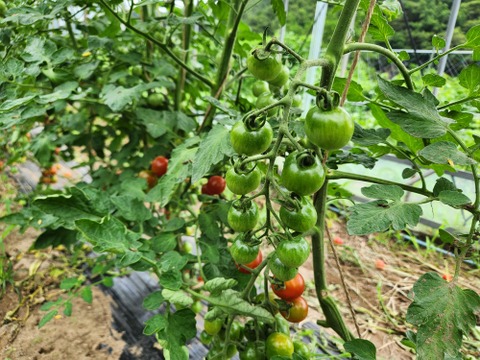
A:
[283,30]
[448,38]
[315,46]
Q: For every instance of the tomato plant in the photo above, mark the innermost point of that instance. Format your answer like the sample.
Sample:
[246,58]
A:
[110,85]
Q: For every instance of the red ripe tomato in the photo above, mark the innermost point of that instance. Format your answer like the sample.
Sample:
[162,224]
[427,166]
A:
[298,310]
[252,265]
[291,289]
[159,165]
[149,177]
[214,186]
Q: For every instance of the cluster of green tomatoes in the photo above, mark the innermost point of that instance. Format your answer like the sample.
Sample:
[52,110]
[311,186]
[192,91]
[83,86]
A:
[303,174]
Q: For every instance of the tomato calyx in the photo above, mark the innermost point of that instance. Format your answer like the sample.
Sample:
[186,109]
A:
[327,100]
[255,123]
[261,53]
[306,160]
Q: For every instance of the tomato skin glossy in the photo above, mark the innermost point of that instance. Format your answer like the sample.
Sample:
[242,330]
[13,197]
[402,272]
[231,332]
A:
[330,130]
[281,79]
[159,165]
[298,312]
[264,100]
[302,219]
[243,219]
[291,289]
[281,271]
[242,252]
[252,265]
[251,142]
[300,176]
[156,100]
[259,87]
[279,344]
[243,183]
[265,69]
[215,185]
[293,253]
[213,327]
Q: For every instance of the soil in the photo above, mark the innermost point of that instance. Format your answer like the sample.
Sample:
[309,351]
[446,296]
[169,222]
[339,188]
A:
[379,297]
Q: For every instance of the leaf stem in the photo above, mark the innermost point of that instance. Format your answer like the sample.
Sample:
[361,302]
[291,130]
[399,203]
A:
[418,68]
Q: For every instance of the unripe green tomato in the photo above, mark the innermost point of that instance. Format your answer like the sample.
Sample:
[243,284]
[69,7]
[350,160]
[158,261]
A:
[266,99]
[252,352]
[155,100]
[3,8]
[259,87]
[302,173]
[281,78]
[330,130]
[301,349]
[246,141]
[266,69]
[301,219]
[197,307]
[137,70]
[243,183]
[280,270]
[242,252]
[243,219]
[297,101]
[236,331]
[293,253]
[213,327]
[279,344]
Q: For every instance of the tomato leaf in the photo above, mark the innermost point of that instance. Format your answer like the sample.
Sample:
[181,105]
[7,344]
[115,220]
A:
[469,78]
[131,209]
[355,90]
[368,137]
[473,37]
[231,302]
[155,324]
[445,152]
[118,97]
[421,118]
[218,138]
[70,283]
[362,349]
[433,80]
[55,237]
[153,301]
[217,285]
[177,297]
[453,198]
[279,9]
[443,184]
[111,235]
[443,313]
[47,317]
[86,294]
[379,215]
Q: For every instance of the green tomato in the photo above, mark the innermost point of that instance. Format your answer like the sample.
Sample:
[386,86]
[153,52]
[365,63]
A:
[197,307]
[243,217]
[205,338]
[293,253]
[243,183]
[253,351]
[3,8]
[137,70]
[302,173]
[281,79]
[213,327]
[236,331]
[301,217]
[264,100]
[281,271]
[155,100]
[247,140]
[242,252]
[279,344]
[259,87]
[266,69]
[297,101]
[330,130]
[300,348]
